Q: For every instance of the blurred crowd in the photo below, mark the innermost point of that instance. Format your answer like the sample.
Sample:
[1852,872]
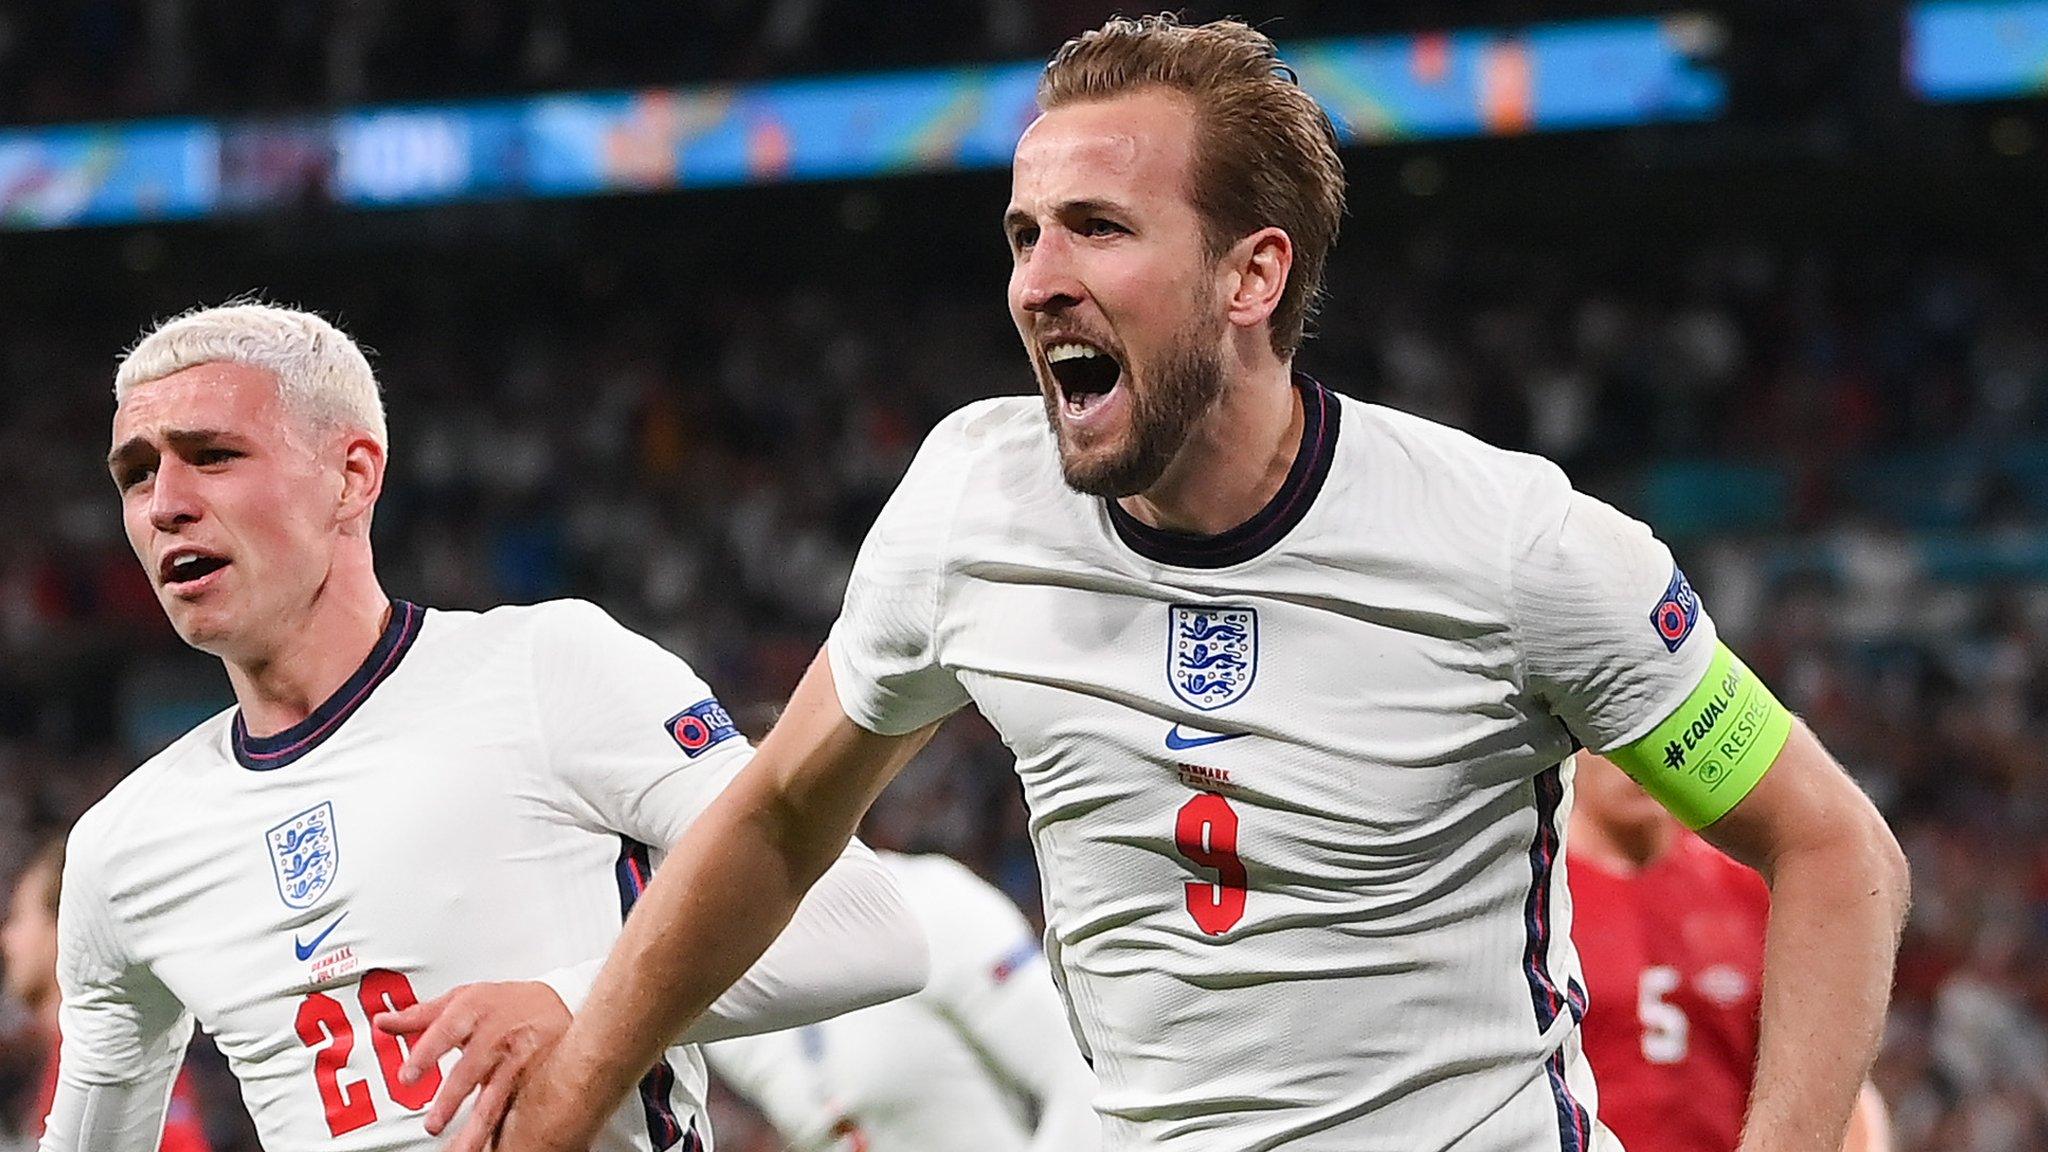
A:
[99,58]
[705,465]
[96,58]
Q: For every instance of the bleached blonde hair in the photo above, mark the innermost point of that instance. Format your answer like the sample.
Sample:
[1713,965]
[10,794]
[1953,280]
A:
[322,376]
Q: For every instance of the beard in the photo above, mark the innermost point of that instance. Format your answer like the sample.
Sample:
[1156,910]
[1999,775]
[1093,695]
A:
[1163,414]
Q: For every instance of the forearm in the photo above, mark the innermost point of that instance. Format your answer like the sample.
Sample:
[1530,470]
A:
[727,888]
[852,943]
[1836,910]
[718,901]
[107,1117]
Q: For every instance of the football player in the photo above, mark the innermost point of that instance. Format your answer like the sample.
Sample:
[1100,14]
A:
[401,801]
[1290,680]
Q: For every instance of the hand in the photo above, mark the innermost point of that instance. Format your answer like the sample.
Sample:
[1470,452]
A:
[501,1029]
[552,1111]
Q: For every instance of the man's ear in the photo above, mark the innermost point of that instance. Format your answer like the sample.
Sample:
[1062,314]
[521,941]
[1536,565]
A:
[362,478]
[1257,268]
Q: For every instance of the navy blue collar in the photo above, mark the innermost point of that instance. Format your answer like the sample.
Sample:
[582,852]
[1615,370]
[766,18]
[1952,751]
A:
[1319,412]
[263,753]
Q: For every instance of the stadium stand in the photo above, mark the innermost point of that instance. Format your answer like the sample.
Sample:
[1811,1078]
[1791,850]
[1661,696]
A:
[1825,381]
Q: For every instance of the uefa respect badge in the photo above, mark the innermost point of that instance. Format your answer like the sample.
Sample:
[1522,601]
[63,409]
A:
[700,726]
[1677,612]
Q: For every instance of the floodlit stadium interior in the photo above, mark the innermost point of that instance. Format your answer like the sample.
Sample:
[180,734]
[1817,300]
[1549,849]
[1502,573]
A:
[1786,300]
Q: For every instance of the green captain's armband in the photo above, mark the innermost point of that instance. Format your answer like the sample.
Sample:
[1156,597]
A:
[1706,756]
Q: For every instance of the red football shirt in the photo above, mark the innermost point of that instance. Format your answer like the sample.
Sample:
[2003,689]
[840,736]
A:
[1674,960]
[183,1127]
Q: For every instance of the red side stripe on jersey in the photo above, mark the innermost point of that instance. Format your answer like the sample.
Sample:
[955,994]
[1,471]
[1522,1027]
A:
[1573,1125]
[663,1127]
[1543,991]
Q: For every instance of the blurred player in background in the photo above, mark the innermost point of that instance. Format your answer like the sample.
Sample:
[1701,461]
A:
[28,945]
[1671,935]
[1290,680]
[982,1059]
[404,800]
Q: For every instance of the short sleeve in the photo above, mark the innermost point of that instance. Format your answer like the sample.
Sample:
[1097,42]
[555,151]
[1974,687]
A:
[636,739]
[883,648]
[1611,636]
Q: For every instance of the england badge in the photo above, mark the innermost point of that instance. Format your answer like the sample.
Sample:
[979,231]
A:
[304,855]
[1212,654]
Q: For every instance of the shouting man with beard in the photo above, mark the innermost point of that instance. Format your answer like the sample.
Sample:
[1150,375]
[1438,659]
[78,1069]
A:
[1293,683]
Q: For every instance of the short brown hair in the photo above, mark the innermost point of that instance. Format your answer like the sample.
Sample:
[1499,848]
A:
[1265,152]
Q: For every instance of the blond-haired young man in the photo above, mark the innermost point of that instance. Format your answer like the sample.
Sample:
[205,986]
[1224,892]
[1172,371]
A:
[401,801]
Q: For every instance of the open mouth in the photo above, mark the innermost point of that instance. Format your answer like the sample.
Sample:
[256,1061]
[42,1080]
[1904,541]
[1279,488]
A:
[182,568]
[1085,374]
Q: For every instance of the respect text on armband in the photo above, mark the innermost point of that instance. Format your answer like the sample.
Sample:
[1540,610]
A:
[1709,753]
[1712,738]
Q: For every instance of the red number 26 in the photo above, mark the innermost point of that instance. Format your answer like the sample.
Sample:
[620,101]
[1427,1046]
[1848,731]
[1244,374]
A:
[323,1024]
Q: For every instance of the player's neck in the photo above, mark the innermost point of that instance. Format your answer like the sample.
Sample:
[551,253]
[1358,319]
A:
[1624,847]
[315,656]
[1235,460]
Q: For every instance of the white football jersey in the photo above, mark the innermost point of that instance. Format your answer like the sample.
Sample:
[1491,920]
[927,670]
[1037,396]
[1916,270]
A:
[981,1059]
[474,804]
[1299,790]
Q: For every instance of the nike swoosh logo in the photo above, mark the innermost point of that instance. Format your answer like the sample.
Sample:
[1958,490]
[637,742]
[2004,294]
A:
[305,951]
[1179,743]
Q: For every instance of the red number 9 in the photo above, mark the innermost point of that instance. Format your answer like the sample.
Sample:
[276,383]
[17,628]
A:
[1206,833]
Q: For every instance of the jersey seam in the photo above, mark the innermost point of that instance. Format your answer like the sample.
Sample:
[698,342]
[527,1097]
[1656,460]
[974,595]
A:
[96,890]
[943,562]
[96,885]
[1659,711]
[533,701]
[1517,640]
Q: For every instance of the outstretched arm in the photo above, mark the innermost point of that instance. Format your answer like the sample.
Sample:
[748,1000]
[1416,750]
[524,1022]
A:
[618,757]
[721,897]
[852,943]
